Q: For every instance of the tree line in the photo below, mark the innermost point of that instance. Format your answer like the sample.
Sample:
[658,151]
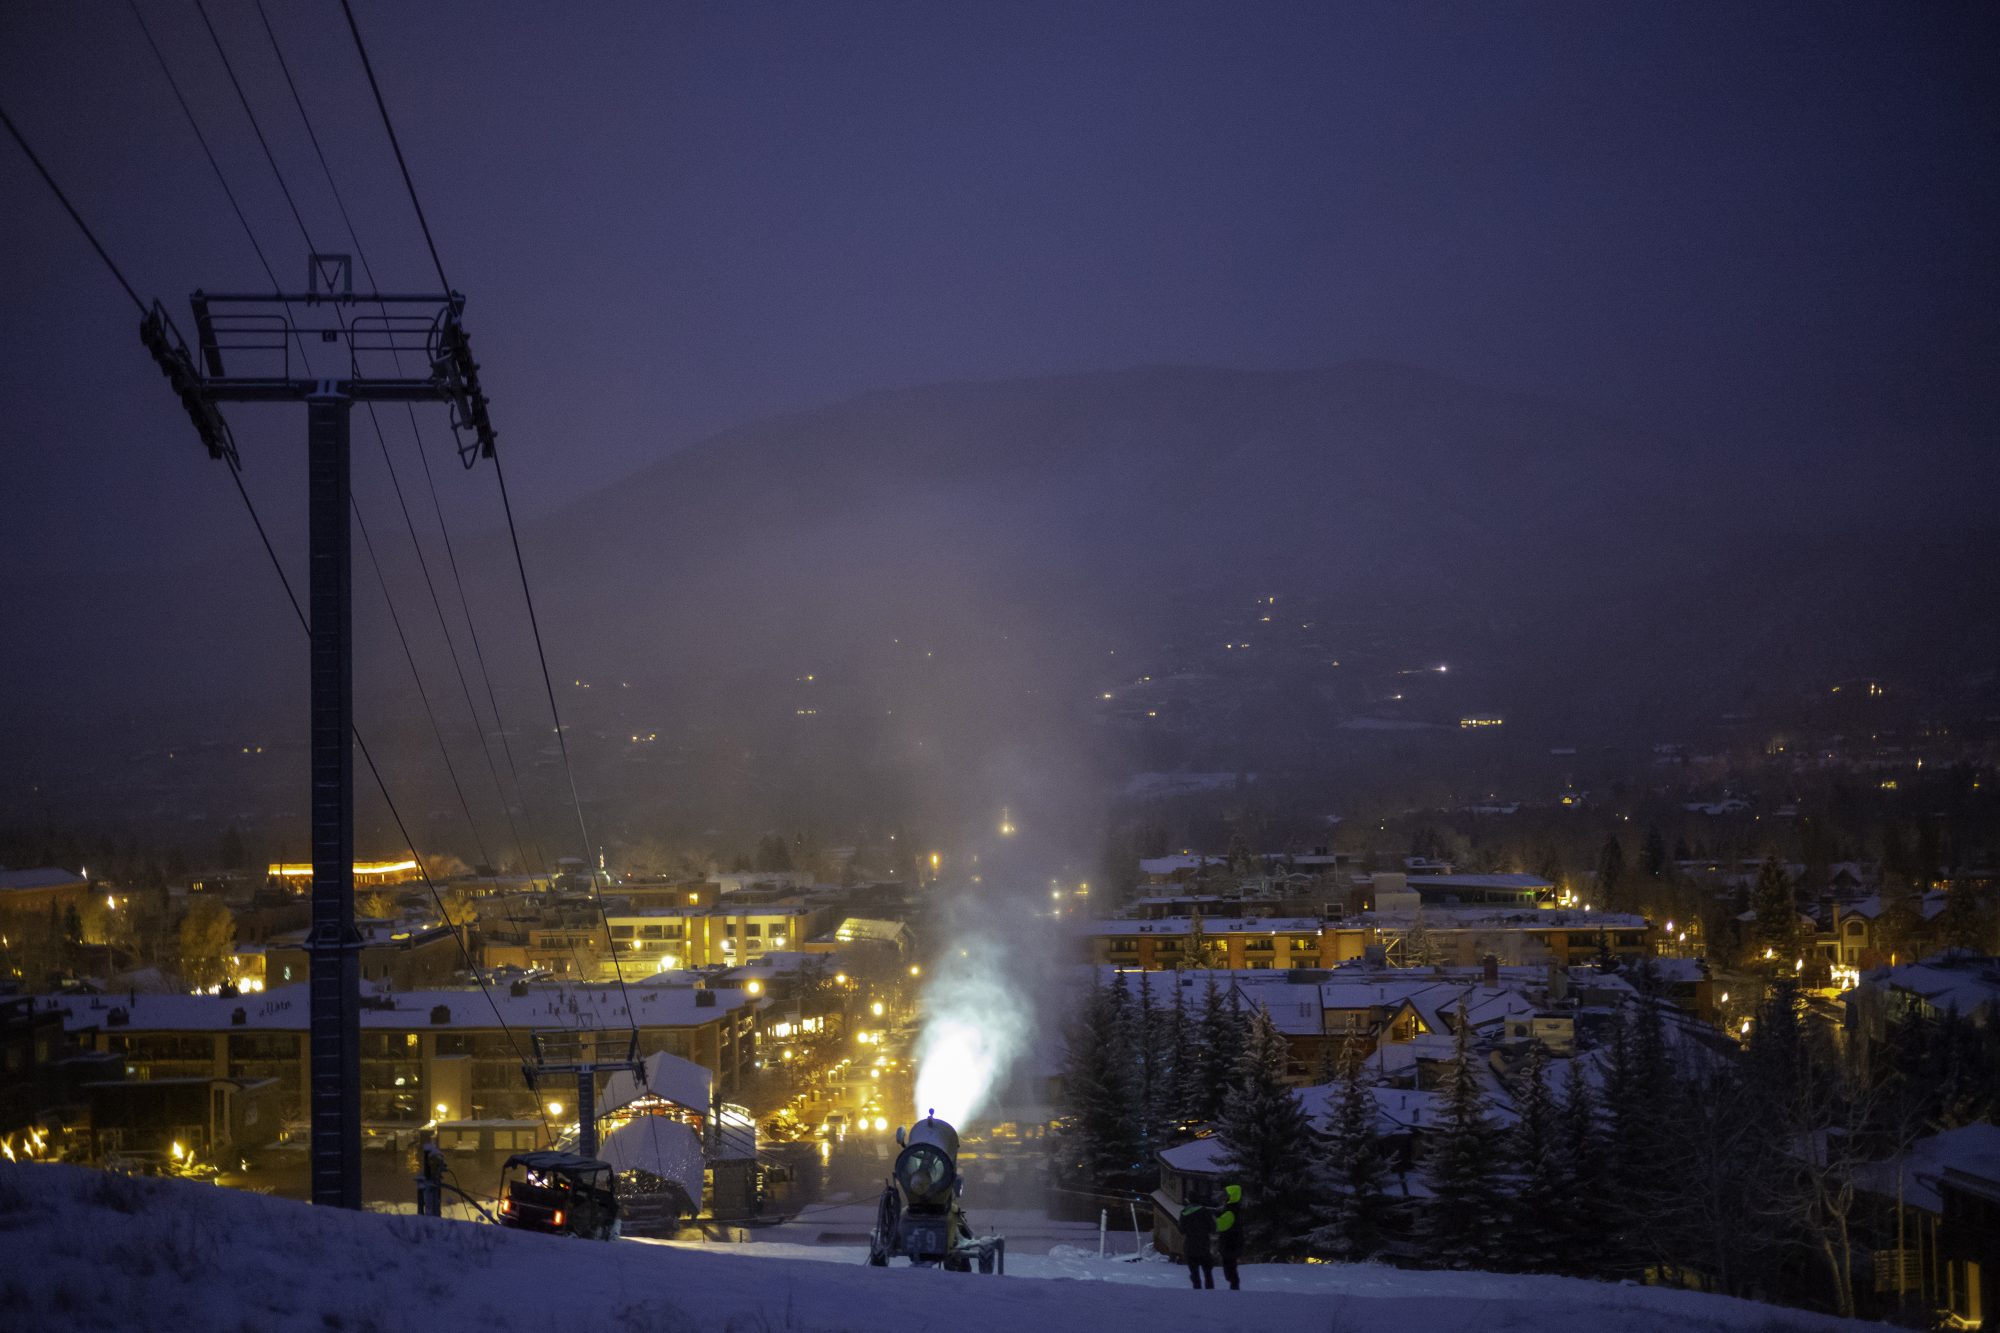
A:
[1665,1153]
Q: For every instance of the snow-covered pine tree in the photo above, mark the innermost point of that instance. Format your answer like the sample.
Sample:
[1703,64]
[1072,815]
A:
[1334,1057]
[1536,1214]
[1100,1092]
[1269,1143]
[1641,1094]
[1188,1081]
[1353,1207]
[1222,1041]
[1462,1219]
[1583,1160]
[1155,1072]
[1774,940]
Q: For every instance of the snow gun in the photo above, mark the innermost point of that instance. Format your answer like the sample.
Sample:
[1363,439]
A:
[921,1215]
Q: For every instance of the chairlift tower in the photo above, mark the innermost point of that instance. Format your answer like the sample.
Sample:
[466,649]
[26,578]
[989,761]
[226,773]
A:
[584,1053]
[253,350]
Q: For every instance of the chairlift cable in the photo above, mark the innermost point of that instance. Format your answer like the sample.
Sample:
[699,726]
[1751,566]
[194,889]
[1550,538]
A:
[291,596]
[465,603]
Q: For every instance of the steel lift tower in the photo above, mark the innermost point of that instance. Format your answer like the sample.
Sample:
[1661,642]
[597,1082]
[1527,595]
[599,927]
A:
[253,350]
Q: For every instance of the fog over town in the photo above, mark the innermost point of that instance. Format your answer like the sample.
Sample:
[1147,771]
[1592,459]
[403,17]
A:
[1351,649]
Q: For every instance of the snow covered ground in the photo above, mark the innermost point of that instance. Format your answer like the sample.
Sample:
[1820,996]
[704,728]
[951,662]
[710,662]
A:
[80,1251]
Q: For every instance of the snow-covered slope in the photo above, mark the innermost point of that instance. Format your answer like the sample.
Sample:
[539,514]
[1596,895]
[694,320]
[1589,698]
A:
[81,1250]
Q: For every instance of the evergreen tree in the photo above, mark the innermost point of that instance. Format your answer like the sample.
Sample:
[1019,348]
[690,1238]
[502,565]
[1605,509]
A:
[1463,1215]
[1241,860]
[1610,875]
[1653,853]
[1639,1095]
[1155,1068]
[1354,1208]
[1584,1220]
[774,854]
[1549,865]
[1965,922]
[1188,1081]
[1100,1095]
[231,853]
[1775,941]
[1268,1143]
[1334,1058]
[1536,1214]
[1899,926]
[1222,1041]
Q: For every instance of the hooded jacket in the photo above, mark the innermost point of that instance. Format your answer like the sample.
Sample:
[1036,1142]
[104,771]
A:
[1229,1221]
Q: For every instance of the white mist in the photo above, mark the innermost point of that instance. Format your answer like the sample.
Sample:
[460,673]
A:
[978,1020]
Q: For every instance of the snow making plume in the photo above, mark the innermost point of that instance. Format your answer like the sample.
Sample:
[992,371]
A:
[979,1018]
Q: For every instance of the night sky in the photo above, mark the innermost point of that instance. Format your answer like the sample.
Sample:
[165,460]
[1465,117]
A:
[1766,225]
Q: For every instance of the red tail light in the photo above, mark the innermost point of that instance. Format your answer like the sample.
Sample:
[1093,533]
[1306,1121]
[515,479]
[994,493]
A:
[506,1205]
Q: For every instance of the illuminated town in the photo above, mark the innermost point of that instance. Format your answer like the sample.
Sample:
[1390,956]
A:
[1334,654]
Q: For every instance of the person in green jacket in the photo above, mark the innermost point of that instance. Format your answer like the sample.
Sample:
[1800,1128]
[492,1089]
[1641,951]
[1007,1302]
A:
[1229,1233]
[1198,1244]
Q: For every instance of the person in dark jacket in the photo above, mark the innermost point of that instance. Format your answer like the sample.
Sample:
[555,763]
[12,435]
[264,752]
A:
[1229,1233]
[1198,1244]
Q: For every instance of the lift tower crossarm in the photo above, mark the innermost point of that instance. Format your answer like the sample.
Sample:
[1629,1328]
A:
[583,1054]
[248,343]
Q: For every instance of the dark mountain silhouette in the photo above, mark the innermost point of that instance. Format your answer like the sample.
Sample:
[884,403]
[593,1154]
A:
[964,570]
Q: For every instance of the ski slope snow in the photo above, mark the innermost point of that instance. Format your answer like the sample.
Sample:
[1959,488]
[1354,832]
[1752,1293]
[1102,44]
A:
[82,1251]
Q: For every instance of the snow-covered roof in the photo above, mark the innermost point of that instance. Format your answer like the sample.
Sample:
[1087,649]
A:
[1262,925]
[46,877]
[1184,925]
[682,1082]
[1170,925]
[1295,1015]
[1962,982]
[285,1008]
[1437,917]
[1171,865]
[1385,990]
[1678,970]
[1930,905]
[1198,1156]
[1971,1149]
[1488,1006]
[877,929]
[1425,881]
